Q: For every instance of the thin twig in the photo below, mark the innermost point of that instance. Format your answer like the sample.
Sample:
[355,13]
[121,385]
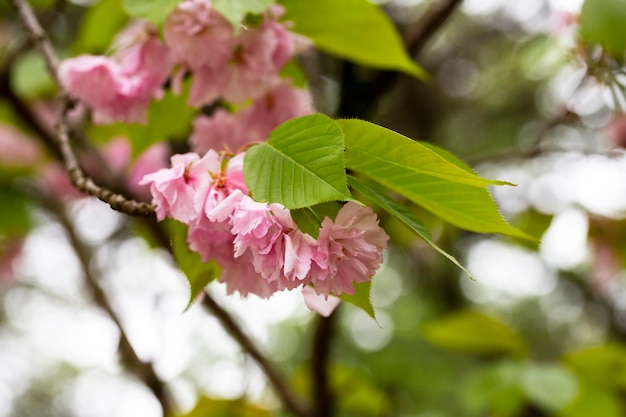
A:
[322,342]
[143,370]
[77,175]
[278,381]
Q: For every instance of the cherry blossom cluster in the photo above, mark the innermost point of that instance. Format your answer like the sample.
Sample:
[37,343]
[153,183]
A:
[241,69]
[258,245]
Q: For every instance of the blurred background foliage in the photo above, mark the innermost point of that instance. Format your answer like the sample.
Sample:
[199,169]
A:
[525,91]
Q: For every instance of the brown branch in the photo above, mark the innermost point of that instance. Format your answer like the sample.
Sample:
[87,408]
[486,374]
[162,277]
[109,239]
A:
[84,182]
[77,175]
[322,392]
[278,381]
[143,370]
[418,34]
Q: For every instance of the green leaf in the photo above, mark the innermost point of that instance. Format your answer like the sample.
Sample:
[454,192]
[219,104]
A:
[426,175]
[214,407]
[199,274]
[14,215]
[494,390]
[384,153]
[604,365]
[473,332]
[361,298]
[593,401]
[300,165]
[309,219]
[235,10]
[404,215]
[549,386]
[30,78]
[153,10]
[604,22]
[98,27]
[352,29]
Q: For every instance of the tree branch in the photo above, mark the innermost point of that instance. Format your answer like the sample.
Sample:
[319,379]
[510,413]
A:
[322,342]
[278,381]
[418,34]
[77,175]
[143,370]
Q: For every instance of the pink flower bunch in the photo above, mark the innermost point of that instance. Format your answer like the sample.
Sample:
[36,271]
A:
[258,245]
[224,65]
[120,88]
[199,41]
[230,131]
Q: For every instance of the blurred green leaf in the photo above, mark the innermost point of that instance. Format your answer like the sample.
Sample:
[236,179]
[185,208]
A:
[403,214]
[473,332]
[434,180]
[361,298]
[14,215]
[495,390]
[604,365]
[604,22]
[592,401]
[352,29]
[549,386]
[199,274]
[30,78]
[153,10]
[294,71]
[357,393]
[98,27]
[213,407]
[236,10]
[300,165]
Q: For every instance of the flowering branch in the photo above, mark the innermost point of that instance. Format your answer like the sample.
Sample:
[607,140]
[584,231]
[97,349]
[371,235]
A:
[143,370]
[288,397]
[78,177]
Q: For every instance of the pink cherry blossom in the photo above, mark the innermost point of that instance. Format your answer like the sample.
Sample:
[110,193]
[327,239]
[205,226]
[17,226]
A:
[239,275]
[207,85]
[281,103]
[198,36]
[18,149]
[145,61]
[151,160]
[119,89]
[320,304]
[174,190]
[300,248]
[223,130]
[349,250]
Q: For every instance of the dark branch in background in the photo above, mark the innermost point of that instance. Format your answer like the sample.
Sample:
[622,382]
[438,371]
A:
[359,97]
[320,356]
[78,177]
[142,370]
[417,35]
[278,381]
